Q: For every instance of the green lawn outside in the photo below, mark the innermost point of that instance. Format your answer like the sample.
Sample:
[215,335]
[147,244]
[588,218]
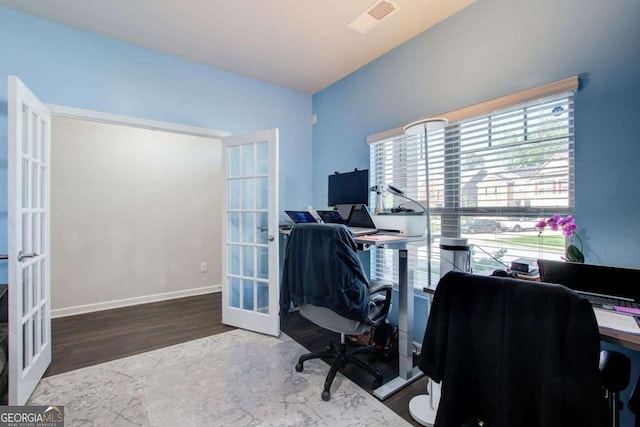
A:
[535,241]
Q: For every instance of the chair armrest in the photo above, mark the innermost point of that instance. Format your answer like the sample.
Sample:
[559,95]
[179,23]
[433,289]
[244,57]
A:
[379,285]
[380,305]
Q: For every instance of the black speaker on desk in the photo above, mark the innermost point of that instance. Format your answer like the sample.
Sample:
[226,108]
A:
[520,267]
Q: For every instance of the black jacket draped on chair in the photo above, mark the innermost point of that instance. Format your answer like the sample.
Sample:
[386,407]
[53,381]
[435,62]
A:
[512,353]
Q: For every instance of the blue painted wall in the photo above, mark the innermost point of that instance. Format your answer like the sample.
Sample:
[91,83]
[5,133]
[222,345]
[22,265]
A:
[493,48]
[73,68]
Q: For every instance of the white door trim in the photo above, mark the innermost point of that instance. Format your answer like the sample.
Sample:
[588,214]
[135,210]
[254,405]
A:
[98,116]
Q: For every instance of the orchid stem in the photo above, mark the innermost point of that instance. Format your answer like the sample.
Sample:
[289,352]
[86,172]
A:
[579,240]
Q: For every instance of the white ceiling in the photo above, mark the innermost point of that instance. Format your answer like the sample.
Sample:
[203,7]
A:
[301,44]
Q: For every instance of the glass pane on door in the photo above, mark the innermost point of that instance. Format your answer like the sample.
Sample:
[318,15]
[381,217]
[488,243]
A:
[262,228]
[262,158]
[248,228]
[234,260]
[262,193]
[234,161]
[234,194]
[247,294]
[247,160]
[246,194]
[262,291]
[262,259]
[234,227]
[234,294]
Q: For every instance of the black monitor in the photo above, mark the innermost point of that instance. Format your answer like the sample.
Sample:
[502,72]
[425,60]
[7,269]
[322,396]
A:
[350,188]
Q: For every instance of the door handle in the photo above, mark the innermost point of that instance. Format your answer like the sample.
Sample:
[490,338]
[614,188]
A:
[22,256]
[271,237]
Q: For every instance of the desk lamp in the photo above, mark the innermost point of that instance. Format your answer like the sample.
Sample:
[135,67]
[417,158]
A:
[422,408]
[397,192]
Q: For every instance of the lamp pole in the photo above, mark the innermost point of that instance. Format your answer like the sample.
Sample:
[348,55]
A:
[423,408]
[417,128]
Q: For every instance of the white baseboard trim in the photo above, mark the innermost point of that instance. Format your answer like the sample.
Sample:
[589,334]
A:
[89,308]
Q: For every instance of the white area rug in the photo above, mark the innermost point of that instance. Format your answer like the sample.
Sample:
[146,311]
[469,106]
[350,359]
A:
[237,378]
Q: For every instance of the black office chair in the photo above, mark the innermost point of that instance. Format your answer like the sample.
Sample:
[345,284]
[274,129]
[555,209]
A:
[324,277]
[511,352]
[615,372]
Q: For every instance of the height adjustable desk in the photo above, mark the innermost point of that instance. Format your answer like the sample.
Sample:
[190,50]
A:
[407,373]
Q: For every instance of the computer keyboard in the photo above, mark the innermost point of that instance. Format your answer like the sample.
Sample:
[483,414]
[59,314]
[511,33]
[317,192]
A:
[359,218]
[361,231]
[609,302]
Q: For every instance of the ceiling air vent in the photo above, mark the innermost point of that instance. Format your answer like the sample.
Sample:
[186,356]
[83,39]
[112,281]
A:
[372,16]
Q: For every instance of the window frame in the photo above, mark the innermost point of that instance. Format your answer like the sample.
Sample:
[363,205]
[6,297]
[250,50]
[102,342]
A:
[452,212]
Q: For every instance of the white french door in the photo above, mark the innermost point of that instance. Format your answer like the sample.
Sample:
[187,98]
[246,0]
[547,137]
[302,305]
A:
[250,267]
[29,124]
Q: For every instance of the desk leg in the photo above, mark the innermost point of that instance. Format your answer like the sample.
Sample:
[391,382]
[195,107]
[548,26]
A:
[406,372]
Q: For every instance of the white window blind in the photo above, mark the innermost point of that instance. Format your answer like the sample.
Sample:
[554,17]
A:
[491,176]
[401,162]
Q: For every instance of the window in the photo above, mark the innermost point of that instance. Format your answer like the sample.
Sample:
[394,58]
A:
[492,176]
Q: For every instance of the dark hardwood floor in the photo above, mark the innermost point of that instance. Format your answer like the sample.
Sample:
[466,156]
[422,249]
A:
[91,338]
[87,339]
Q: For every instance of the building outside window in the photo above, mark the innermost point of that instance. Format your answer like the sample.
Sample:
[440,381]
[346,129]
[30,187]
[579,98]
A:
[492,177]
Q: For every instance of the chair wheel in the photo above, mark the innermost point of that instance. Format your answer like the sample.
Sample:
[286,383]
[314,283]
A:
[377,383]
[299,367]
[326,395]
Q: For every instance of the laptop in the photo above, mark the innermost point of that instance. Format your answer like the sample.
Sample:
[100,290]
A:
[331,217]
[604,286]
[360,222]
[301,217]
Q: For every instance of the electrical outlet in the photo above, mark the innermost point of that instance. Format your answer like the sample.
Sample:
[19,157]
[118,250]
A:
[203,267]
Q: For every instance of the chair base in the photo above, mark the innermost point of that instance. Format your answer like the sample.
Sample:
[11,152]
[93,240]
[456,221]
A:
[341,355]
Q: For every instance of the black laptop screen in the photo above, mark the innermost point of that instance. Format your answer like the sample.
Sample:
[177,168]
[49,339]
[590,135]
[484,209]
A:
[331,217]
[597,279]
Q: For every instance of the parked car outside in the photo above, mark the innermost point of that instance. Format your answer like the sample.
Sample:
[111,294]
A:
[519,224]
[481,225]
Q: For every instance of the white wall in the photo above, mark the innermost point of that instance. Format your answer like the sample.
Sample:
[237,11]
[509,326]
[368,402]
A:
[134,212]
